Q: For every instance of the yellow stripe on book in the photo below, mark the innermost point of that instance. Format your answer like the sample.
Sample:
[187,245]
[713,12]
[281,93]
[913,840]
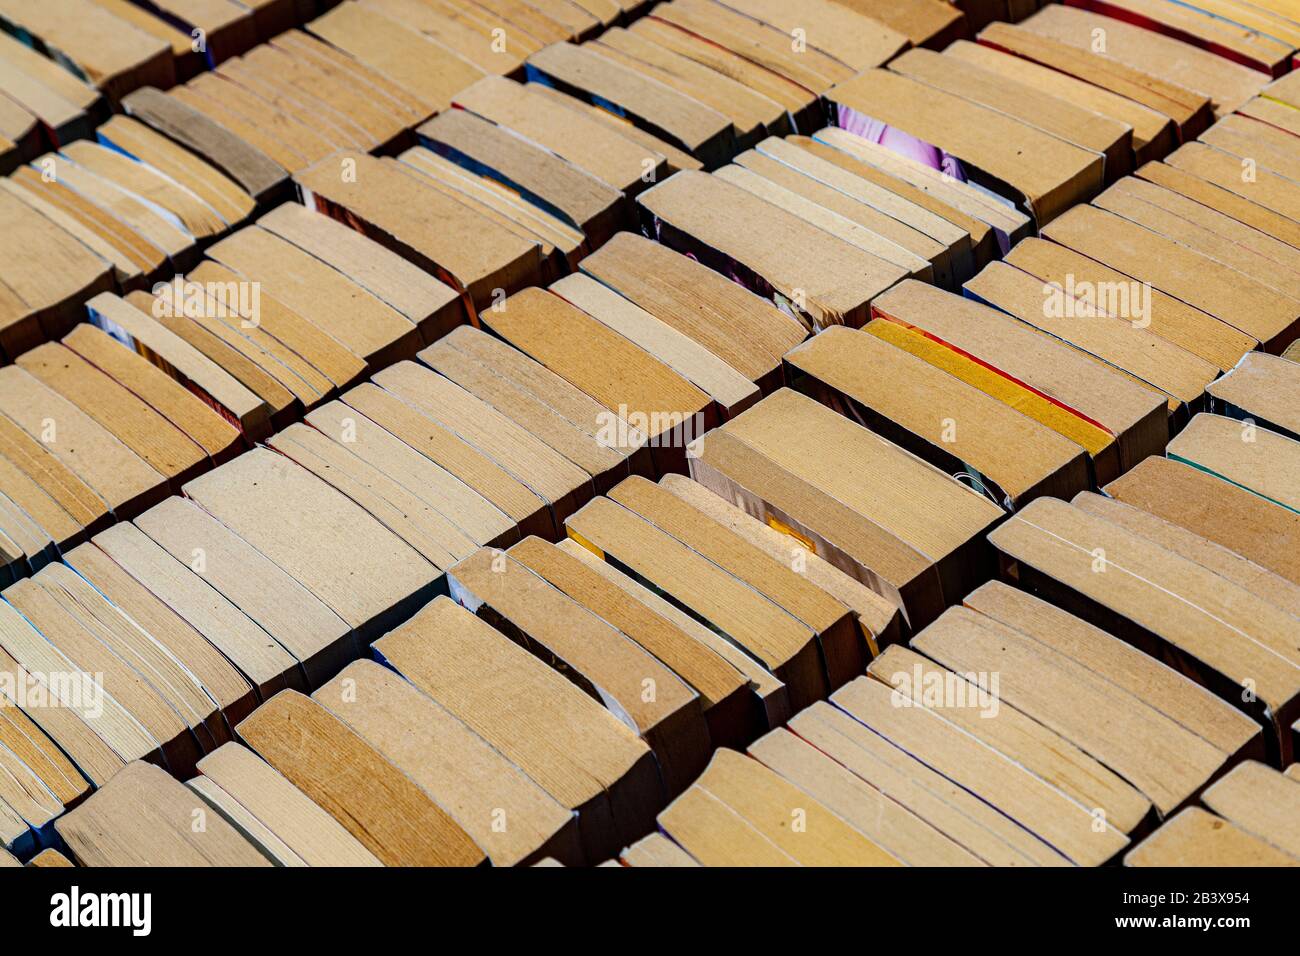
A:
[586,544]
[1023,400]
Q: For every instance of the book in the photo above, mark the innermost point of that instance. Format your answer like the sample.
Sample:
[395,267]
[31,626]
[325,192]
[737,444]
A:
[318,536]
[973,205]
[557,245]
[1191,329]
[763,43]
[799,103]
[466,31]
[962,240]
[114,56]
[1197,837]
[537,175]
[1174,606]
[740,813]
[413,220]
[78,729]
[1261,801]
[126,482]
[149,222]
[303,830]
[621,162]
[442,481]
[427,70]
[67,105]
[959,698]
[604,773]
[1040,109]
[603,662]
[49,857]
[878,618]
[854,471]
[955,426]
[894,827]
[224,196]
[1227,294]
[723,690]
[655,850]
[1271,586]
[818,278]
[646,397]
[583,72]
[465,358]
[549,475]
[132,259]
[845,188]
[169,450]
[731,391]
[236,156]
[439,541]
[1263,388]
[1242,453]
[142,722]
[386,811]
[267,665]
[844,647]
[1226,37]
[298,621]
[1152,133]
[369,327]
[924,22]
[524,510]
[1188,110]
[745,331]
[781,642]
[430,305]
[182,363]
[1056,829]
[752,113]
[229,337]
[1228,84]
[1127,667]
[1115,330]
[1268,189]
[1191,186]
[204,425]
[1127,201]
[511,817]
[989,146]
[1243,136]
[41,301]
[46,490]
[143,817]
[856,39]
[298,349]
[1216,510]
[967,642]
[676,157]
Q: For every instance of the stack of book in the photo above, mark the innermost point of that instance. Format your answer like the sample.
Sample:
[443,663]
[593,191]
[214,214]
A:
[899,525]
[1186,49]
[824,225]
[579,754]
[43,107]
[1250,821]
[94,43]
[1004,736]
[1168,589]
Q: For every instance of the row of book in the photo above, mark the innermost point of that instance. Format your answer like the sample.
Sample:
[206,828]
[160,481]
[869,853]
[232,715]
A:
[1019,112]
[672,630]
[824,567]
